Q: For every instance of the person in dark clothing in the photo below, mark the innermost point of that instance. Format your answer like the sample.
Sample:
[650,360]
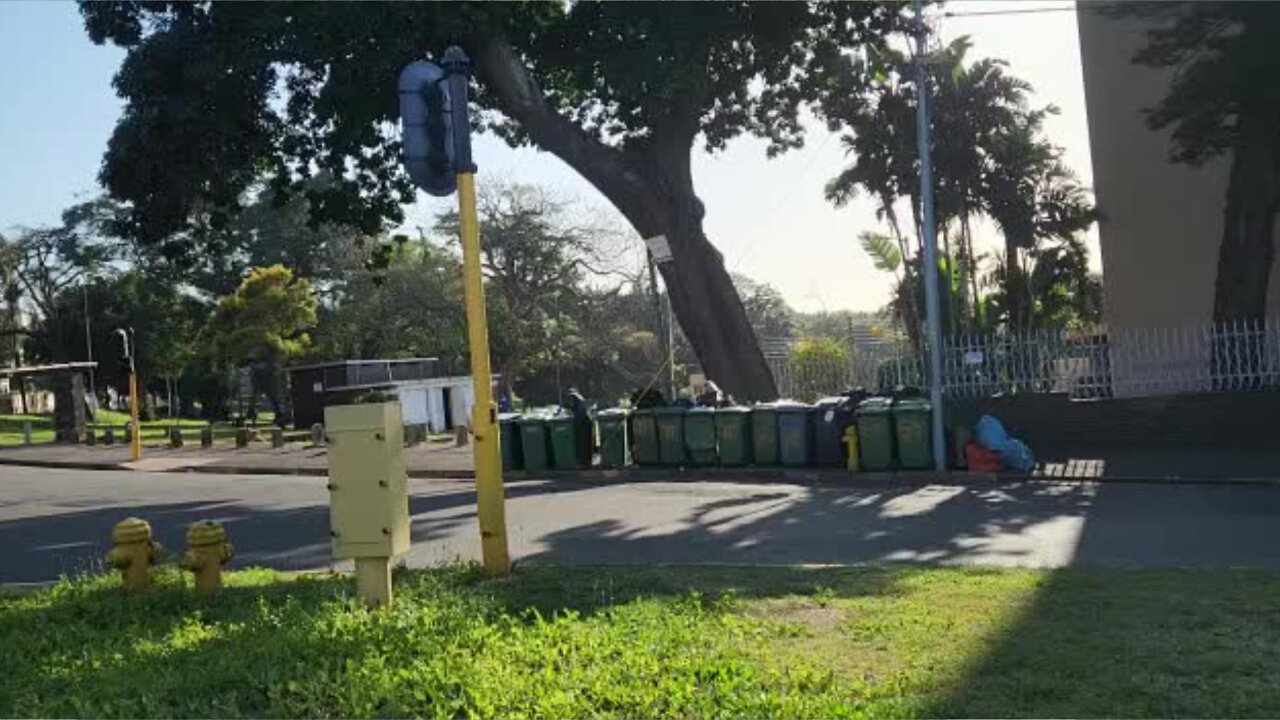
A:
[647,398]
[577,407]
[711,396]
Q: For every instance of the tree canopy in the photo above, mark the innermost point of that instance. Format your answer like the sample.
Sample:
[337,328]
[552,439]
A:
[221,96]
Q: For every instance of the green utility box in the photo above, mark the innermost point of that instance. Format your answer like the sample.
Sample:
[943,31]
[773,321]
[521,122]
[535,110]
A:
[564,442]
[671,447]
[915,438]
[612,425]
[764,435]
[509,440]
[644,438]
[700,435]
[795,434]
[874,418]
[533,443]
[733,435]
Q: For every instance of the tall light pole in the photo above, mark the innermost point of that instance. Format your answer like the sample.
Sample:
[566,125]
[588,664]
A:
[930,263]
[88,345]
[135,436]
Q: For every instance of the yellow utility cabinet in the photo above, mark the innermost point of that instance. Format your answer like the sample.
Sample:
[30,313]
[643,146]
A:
[368,491]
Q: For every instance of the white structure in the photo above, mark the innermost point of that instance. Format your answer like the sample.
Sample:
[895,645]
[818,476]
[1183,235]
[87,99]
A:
[438,403]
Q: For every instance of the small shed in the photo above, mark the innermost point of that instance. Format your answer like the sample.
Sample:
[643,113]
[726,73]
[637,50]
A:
[428,394]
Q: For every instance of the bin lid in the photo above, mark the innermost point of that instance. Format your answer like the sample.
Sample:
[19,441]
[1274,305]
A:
[792,407]
[874,406]
[560,419]
[828,402]
[733,410]
[764,407]
[702,410]
[670,410]
[912,405]
[531,420]
[509,417]
[612,414]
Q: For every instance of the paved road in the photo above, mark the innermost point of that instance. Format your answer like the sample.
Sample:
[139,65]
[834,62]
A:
[57,521]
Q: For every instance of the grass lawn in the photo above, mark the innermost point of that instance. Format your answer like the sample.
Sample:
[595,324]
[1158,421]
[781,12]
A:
[153,431]
[650,642]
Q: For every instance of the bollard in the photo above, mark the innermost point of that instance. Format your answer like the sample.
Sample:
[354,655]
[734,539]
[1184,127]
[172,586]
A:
[277,437]
[206,436]
[26,433]
[317,434]
[207,551]
[242,437]
[128,434]
[134,552]
[108,435]
[90,437]
[461,435]
[175,437]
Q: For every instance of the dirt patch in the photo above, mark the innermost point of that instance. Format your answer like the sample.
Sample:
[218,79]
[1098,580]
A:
[813,616]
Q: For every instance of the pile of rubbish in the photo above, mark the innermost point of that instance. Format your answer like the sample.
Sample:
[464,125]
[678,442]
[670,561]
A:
[994,450]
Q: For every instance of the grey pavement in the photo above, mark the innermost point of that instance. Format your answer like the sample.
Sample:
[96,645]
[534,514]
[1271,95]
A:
[55,522]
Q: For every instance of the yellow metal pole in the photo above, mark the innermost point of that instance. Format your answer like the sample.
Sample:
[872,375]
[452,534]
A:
[484,414]
[135,442]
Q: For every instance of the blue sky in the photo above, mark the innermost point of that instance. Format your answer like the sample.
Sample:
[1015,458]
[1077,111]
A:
[768,217]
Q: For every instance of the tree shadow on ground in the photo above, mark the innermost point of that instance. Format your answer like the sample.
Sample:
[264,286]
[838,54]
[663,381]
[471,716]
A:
[43,548]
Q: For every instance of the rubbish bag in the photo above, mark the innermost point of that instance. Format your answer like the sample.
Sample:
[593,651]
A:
[990,434]
[1016,456]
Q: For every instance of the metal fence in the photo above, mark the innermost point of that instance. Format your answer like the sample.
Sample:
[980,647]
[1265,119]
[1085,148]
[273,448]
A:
[1092,363]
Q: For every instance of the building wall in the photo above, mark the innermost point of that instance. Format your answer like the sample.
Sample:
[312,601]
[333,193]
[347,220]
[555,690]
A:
[1162,222]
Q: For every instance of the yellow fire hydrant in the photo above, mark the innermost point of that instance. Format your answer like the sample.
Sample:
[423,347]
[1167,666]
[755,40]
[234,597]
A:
[133,553]
[207,551]
[851,448]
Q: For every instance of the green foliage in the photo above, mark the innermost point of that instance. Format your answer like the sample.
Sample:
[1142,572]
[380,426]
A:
[884,253]
[263,325]
[770,315]
[817,363]
[989,159]
[412,307]
[620,75]
[646,642]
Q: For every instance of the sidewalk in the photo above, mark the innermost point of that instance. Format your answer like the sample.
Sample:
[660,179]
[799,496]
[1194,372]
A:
[444,460]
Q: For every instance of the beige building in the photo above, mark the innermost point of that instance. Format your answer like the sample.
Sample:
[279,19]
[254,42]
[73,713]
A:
[1162,222]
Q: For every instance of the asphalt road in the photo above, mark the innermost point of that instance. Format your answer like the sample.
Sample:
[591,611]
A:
[55,522]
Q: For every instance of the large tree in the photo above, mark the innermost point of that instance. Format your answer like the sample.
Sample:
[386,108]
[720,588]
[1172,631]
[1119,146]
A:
[1223,100]
[621,92]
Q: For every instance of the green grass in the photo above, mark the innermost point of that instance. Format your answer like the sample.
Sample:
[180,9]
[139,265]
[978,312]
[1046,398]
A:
[153,431]
[637,642]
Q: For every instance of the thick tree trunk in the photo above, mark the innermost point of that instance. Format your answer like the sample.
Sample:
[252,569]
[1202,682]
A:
[652,186]
[1248,237]
[1248,247]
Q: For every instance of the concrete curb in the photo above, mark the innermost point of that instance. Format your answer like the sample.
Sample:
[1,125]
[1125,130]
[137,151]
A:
[761,475]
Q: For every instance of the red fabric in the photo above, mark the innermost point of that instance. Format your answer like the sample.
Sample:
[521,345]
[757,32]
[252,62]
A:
[981,459]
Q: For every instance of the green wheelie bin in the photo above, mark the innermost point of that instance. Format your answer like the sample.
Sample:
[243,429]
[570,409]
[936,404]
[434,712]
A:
[700,435]
[564,442]
[533,442]
[764,434]
[733,435]
[874,418]
[509,440]
[671,448]
[644,437]
[912,429]
[612,425]
[795,434]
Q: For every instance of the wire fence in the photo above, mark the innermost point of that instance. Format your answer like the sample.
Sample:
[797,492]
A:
[1084,363]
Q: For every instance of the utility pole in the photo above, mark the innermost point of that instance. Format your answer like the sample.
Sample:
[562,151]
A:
[135,436]
[88,344]
[930,260]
